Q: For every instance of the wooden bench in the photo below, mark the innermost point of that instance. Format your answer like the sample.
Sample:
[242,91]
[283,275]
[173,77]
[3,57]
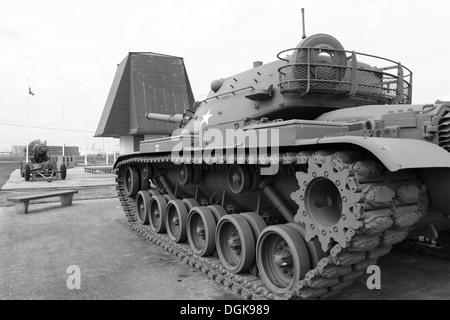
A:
[99,169]
[21,202]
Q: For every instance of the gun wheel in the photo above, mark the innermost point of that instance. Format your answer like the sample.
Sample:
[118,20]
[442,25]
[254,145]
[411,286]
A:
[63,171]
[27,172]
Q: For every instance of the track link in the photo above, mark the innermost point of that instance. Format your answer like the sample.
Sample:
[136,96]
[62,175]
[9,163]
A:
[335,272]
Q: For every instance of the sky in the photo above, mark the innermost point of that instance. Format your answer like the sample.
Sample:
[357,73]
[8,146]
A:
[68,51]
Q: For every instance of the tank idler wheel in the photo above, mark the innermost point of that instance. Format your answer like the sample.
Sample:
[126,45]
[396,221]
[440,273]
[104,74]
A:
[200,231]
[282,258]
[235,243]
[157,213]
[131,181]
[27,172]
[142,206]
[190,203]
[176,220]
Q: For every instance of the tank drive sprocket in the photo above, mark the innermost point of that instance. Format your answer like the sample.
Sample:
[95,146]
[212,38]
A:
[341,196]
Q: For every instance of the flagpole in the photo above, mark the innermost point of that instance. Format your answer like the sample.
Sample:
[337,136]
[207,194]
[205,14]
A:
[28,120]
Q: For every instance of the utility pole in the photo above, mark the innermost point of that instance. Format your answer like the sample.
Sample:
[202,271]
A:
[28,121]
[114,149]
[64,144]
[106,152]
[85,138]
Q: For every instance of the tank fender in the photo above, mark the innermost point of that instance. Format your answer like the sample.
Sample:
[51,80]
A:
[398,154]
[124,157]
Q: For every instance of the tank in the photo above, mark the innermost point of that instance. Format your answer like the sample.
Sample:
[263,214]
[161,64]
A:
[291,178]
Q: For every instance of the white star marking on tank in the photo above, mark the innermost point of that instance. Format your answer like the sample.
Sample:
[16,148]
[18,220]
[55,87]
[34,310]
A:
[206,117]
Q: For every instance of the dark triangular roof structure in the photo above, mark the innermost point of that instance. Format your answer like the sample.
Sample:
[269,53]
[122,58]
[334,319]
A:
[145,82]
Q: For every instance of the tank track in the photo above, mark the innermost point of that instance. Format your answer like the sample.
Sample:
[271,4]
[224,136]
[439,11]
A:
[335,272]
[423,246]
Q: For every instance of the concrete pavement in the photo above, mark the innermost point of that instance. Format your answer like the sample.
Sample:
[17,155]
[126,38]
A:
[76,177]
[115,263]
[36,250]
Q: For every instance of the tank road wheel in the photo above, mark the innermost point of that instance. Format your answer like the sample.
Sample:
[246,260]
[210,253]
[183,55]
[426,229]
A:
[27,172]
[176,220]
[200,231]
[256,223]
[145,176]
[142,206]
[157,213]
[238,178]
[63,173]
[315,250]
[169,197]
[190,203]
[282,258]
[235,243]
[184,174]
[217,211]
[146,171]
[131,181]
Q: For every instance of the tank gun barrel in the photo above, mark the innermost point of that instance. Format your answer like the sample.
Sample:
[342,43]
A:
[176,118]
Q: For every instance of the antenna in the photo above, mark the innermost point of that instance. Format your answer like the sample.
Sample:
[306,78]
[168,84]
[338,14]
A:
[303,22]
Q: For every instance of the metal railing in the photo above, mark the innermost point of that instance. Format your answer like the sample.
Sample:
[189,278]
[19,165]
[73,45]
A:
[345,77]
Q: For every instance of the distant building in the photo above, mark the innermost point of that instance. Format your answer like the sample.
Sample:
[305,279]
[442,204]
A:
[144,82]
[58,151]
[20,151]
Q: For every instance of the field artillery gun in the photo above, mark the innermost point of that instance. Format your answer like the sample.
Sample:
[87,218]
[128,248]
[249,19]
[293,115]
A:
[39,165]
